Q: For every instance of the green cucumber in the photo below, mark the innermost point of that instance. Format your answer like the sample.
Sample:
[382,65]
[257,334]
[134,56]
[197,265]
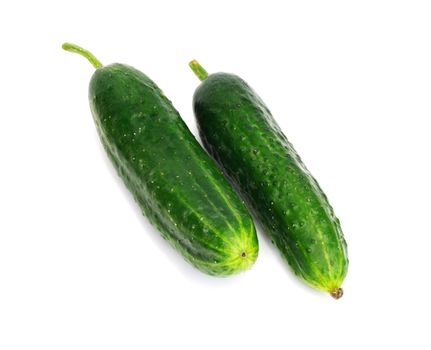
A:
[239,131]
[175,182]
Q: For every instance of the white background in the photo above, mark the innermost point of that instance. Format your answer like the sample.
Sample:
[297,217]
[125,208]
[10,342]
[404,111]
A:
[350,84]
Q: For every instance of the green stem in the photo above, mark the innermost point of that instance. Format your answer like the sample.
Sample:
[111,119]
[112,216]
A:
[83,52]
[199,71]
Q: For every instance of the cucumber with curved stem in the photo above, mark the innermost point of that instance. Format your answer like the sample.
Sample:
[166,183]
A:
[177,185]
[239,131]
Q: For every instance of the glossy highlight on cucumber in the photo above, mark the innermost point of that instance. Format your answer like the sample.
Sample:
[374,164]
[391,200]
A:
[176,184]
[238,130]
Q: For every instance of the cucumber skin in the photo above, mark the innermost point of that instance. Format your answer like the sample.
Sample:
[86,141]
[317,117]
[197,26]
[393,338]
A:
[176,184]
[240,133]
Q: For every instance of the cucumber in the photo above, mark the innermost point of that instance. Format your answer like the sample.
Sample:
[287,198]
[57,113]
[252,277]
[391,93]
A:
[175,182]
[239,131]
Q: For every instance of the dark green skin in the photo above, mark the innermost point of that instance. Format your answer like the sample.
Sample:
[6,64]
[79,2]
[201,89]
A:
[239,131]
[177,185]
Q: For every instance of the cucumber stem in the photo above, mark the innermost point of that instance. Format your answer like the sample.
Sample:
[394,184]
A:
[83,52]
[199,71]
[337,293]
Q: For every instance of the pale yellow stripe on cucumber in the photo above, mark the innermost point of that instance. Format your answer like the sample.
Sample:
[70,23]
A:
[320,239]
[245,235]
[340,257]
[302,272]
[215,207]
[168,219]
[331,214]
[252,229]
[325,253]
[201,216]
[341,247]
[338,234]
[234,211]
[342,254]
[314,269]
[339,273]
[222,195]
[196,239]
[227,222]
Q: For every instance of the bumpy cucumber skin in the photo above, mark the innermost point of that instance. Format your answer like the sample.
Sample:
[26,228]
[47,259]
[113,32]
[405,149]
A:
[239,131]
[176,184]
